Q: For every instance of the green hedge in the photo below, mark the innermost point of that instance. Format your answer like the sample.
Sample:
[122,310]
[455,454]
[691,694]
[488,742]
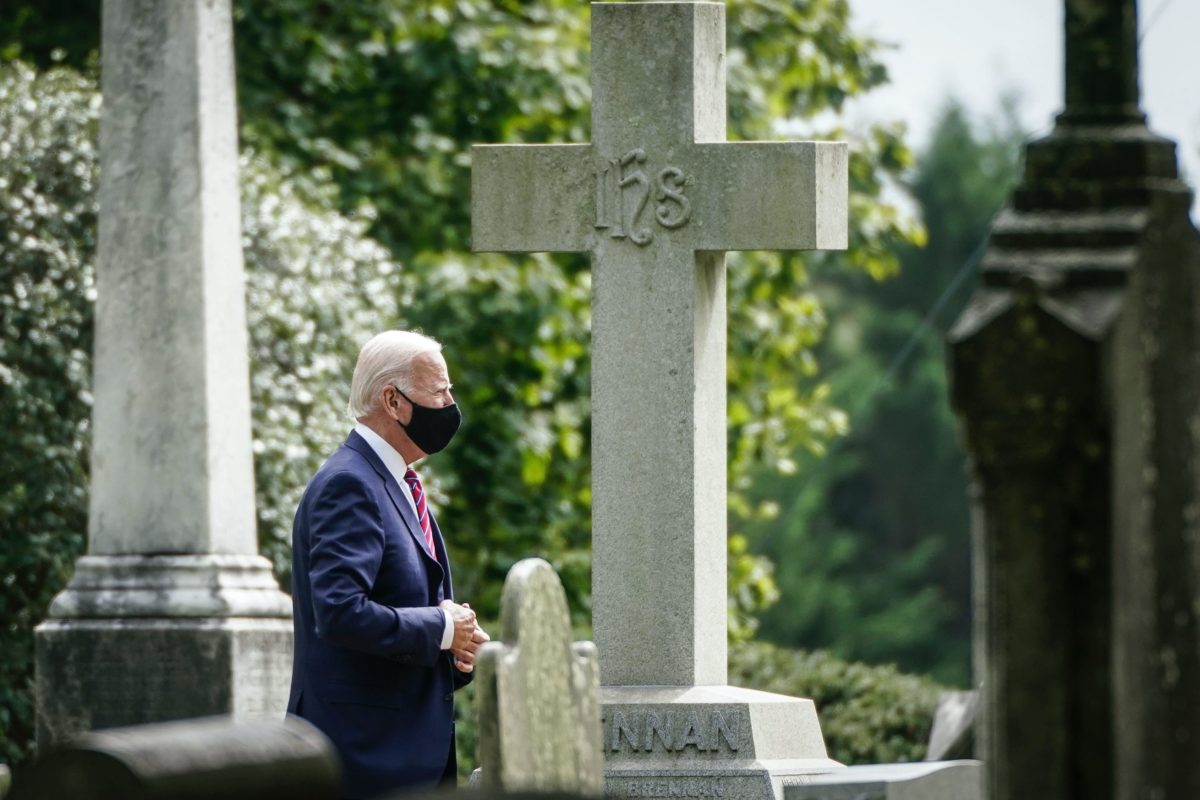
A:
[869,714]
[47,236]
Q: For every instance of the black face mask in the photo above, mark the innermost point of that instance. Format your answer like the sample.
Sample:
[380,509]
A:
[431,429]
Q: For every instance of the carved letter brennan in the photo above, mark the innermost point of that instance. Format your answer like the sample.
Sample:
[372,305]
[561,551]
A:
[619,728]
[648,731]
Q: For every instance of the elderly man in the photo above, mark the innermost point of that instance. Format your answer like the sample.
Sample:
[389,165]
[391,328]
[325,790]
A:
[381,645]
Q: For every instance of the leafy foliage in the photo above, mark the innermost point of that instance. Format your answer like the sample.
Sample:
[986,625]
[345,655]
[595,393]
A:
[317,288]
[869,715]
[47,236]
[389,95]
[872,552]
[45,32]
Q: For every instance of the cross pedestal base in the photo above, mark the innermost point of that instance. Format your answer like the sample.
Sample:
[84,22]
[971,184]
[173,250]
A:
[936,780]
[708,741]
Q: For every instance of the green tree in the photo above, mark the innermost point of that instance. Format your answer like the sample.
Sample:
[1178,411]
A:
[872,552]
[869,714]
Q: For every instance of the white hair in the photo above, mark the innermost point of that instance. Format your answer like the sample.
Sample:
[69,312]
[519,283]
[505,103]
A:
[386,359]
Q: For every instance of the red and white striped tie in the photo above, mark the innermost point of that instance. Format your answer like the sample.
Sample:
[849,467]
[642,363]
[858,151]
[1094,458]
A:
[418,494]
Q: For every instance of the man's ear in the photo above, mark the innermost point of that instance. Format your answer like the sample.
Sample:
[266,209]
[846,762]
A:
[390,399]
[396,403]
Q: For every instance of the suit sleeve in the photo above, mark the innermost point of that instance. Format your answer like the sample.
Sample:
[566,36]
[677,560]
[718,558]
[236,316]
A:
[461,679]
[345,552]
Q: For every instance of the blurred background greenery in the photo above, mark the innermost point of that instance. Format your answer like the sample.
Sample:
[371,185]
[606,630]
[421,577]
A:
[848,520]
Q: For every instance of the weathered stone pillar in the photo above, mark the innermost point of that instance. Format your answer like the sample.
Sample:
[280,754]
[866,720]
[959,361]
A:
[172,613]
[1075,375]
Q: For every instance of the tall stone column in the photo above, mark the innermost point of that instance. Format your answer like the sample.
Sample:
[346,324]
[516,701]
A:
[1075,376]
[172,613]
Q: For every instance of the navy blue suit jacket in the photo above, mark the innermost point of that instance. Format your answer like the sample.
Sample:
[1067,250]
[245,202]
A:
[368,668]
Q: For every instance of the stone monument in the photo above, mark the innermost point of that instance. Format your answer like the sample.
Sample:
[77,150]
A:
[656,199]
[1074,372]
[171,613]
[538,693]
[946,780]
[954,721]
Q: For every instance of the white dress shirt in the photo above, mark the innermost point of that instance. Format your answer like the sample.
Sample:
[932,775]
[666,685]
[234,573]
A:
[396,465]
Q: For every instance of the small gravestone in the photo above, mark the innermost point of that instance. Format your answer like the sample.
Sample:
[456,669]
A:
[214,757]
[946,780]
[539,708]
[953,732]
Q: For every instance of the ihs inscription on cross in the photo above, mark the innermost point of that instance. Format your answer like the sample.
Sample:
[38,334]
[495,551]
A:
[656,199]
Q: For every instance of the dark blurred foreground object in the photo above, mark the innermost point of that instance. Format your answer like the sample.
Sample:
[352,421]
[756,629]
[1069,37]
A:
[478,792]
[200,759]
[1074,371]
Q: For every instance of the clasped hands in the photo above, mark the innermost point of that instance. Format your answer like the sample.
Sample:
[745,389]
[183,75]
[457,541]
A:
[468,636]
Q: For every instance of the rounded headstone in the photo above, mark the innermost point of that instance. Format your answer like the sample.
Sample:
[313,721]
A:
[197,759]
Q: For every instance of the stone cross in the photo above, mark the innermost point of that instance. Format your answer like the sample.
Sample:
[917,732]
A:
[539,706]
[172,613]
[656,199]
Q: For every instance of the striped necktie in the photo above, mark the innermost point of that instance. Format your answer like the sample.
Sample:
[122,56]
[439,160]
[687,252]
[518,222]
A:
[418,495]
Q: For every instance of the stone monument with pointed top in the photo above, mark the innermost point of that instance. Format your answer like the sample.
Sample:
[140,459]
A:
[171,613]
[538,693]
[1074,372]
[656,198]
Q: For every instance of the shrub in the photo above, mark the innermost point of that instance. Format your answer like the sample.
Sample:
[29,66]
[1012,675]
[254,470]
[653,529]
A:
[869,714]
[47,238]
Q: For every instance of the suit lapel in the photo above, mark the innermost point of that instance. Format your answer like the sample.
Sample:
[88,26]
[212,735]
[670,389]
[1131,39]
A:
[403,506]
[443,557]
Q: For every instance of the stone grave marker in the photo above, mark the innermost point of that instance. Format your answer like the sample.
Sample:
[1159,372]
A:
[214,757]
[656,198]
[1074,374]
[953,732]
[539,712]
[945,780]
[171,613]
